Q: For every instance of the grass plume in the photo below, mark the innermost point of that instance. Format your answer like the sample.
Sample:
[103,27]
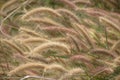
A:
[104,52]
[69,3]
[105,20]
[8,4]
[14,46]
[53,45]
[39,10]
[60,29]
[31,32]
[115,45]
[69,13]
[71,73]
[25,67]
[45,21]
[84,31]
[35,40]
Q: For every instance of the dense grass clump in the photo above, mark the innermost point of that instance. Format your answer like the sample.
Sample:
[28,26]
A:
[60,39]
